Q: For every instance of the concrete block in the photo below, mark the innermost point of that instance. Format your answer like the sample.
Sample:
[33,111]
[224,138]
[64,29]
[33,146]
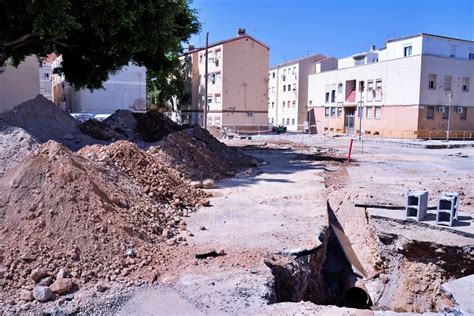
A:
[417,205]
[445,212]
[456,202]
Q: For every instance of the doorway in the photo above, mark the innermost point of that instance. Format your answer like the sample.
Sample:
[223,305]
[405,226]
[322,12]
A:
[349,120]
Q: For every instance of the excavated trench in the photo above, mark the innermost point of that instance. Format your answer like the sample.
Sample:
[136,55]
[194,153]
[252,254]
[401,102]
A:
[409,278]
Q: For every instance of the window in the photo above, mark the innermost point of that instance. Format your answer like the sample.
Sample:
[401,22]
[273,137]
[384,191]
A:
[452,54]
[471,56]
[339,111]
[218,98]
[463,113]
[327,97]
[370,90]
[201,57]
[273,105]
[378,112]
[368,112]
[326,111]
[218,54]
[287,121]
[339,89]
[209,99]
[465,84]
[292,121]
[444,110]
[288,104]
[432,82]
[294,70]
[333,96]
[284,87]
[333,111]
[218,77]
[430,113]
[447,83]
[46,75]
[273,75]
[361,86]
[294,87]
[378,90]
[282,121]
[289,87]
[283,104]
[407,51]
[294,103]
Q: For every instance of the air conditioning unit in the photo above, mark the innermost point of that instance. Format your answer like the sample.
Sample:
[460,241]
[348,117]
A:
[441,109]
[460,110]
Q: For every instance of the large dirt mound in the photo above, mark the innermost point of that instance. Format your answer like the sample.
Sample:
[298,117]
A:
[60,210]
[46,121]
[153,126]
[123,122]
[15,144]
[158,180]
[198,155]
[99,130]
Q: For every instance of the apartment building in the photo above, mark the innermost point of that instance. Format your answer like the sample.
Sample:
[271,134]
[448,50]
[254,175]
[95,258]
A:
[20,84]
[288,90]
[45,75]
[124,90]
[237,84]
[412,85]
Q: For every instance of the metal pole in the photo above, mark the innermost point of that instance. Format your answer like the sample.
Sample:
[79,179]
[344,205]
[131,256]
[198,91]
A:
[361,112]
[205,82]
[450,98]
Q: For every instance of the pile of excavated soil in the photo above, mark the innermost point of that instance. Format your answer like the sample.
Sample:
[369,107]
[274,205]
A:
[15,144]
[158,180]
[99,130]
[217,132]
[148,127]
[198,155]
[45,121]
[86,220]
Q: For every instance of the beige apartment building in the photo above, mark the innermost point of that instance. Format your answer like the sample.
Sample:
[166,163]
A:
[288,90]
[237,84]
[413,87]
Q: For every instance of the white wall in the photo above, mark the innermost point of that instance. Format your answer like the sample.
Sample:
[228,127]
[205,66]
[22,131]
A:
[440,67]
[439,46]
[400,81]
[18,85]
[124,90]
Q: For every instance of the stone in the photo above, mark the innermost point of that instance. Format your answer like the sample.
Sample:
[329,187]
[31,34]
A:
[205,202]
[61,286]
[38,273]
[68,297]
[130,252]
[28,257]
[25,295]
[42,293]
[101,287]
[62,273]
[196,184]
[208,184]
[46,281]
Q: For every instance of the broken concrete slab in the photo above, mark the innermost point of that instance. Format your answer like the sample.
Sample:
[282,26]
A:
[462,290]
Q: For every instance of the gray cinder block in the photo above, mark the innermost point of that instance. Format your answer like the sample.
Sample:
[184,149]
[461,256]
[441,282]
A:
[417,205]
[447,209]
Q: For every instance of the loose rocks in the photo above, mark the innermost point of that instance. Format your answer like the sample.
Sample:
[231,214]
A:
[42,293]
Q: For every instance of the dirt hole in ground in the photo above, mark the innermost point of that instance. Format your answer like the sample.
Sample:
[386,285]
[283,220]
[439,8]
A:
[411,277]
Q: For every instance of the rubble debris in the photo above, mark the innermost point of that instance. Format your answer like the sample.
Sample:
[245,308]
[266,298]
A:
[199,155]
[15,144]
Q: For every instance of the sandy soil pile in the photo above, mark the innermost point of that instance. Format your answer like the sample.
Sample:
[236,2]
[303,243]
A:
[15,144]
[99,130]
[45,121]
[199,155]
[159,181]
[65,217]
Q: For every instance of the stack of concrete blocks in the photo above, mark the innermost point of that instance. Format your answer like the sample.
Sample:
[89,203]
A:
[417,205]
[448,206]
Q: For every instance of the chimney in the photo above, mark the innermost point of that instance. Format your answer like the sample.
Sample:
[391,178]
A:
[373,48]
[190,48]
[241,32]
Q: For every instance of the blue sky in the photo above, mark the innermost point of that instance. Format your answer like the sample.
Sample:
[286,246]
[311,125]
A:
[295,28]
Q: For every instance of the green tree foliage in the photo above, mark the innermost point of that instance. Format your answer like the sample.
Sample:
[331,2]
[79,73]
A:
[97,37]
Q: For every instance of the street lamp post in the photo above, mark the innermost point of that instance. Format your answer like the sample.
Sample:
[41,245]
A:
[361,113]
[450,100]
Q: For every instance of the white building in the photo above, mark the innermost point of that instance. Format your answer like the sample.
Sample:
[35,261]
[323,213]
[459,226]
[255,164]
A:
[403,87]
[18,85]
[123,90]
[45,75]
[288,90]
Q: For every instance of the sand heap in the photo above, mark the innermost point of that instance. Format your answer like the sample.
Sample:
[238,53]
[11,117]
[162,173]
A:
[61,211]
[198,155]
[158,180]
[15,145]
[45,121]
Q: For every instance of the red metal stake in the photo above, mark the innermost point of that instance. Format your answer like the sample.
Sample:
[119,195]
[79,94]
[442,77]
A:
[350,150]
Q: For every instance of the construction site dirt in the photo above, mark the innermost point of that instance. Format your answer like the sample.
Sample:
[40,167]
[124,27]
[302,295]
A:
[187,224]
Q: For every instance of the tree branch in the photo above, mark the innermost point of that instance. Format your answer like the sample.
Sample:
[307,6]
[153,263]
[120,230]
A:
[19,40]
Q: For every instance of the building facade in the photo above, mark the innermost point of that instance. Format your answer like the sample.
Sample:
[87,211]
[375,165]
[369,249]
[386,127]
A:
[409,87]
[18,85]
[288,90]
[45,76]
[237,84]
[125,90]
